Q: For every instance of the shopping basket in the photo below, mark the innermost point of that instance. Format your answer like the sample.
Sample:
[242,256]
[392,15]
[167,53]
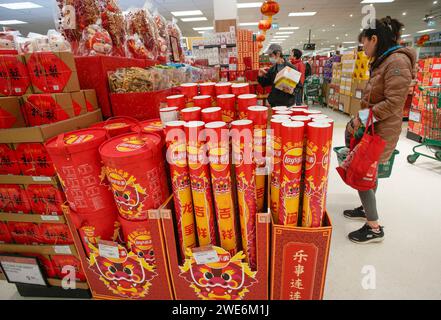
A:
[384,169]
[430,118]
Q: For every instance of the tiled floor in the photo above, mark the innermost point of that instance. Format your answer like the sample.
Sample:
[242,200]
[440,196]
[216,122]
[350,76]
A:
[407,264]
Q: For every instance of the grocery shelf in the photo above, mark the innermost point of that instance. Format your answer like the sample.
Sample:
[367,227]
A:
[216,46]
[13,179]
[35,218]
[41,249]
[57,283]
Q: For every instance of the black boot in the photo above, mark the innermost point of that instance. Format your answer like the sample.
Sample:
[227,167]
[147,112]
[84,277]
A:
[356,214]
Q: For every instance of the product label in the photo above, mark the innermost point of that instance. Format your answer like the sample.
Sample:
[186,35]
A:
[74,139]
[108,249]
[41,179]
[130,144]
[49,218]
[205,255]
[62,250]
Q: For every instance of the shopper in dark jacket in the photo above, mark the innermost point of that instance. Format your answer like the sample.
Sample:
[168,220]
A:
[297,62]
[267,77]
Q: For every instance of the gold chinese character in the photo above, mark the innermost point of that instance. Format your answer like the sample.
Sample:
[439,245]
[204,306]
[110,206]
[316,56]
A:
[300,256]
[299,269]
[295,295]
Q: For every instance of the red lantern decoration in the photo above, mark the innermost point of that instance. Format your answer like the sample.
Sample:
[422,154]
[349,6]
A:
[259,45]
[260,37]
[270,8]
[264,25]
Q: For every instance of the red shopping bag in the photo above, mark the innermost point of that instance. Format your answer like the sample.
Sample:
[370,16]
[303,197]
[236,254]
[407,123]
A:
[360,168]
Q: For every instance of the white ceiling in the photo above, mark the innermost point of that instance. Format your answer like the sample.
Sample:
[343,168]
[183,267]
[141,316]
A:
[329,12]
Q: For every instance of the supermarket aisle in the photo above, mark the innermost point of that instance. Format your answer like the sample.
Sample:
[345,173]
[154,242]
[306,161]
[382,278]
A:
[409,208]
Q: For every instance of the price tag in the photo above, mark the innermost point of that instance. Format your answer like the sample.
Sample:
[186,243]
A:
[224,46]
[205,255]
[201,47]
[358,94]
[18,90]
[56,87]
[62,249]
[415,116]
[108,249]
[41,179]
[50,218]
[22,270]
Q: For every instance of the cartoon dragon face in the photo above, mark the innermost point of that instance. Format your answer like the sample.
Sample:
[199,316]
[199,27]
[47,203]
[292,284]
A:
[222,185]
[228,279]
[140,243]
[181,182]
[198,183]
[129,276]
[291,189]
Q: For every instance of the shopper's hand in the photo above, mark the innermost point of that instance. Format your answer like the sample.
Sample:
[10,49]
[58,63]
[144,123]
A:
[262,72]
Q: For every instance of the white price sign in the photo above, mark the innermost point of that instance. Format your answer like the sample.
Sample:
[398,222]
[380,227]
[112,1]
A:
[108,249]
[205,255]
[22,270]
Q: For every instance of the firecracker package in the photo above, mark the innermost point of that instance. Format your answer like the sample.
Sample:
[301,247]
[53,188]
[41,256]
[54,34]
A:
[219,157]
[8,160]
[245,168]
[5,235]
[276,139]
[14,199]
[200,182]
[10,113]
[14,76]
[52,72]
[180,179]
[227,102]
[287,79]
[24,232]
[42,109]
[34,160]
[54,233]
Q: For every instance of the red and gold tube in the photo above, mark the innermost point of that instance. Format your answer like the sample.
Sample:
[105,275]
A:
[191,114]
[200,182]
[276,139]
[259,116]
[242,141]
[227,102]
[217,135]
[180,178]
[243,102]
[292,134]
[319,143]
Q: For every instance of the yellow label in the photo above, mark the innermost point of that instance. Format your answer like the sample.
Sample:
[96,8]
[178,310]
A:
[74,139]
[130,144]
[115,125]
[244,214]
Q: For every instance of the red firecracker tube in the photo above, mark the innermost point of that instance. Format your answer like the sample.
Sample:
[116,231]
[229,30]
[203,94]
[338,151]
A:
[243,102]
[202,101]
[191,114]
[227,102]
[211,114]
[178,100]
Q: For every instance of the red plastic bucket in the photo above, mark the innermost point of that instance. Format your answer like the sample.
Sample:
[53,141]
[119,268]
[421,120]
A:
[135,169]
[78,163]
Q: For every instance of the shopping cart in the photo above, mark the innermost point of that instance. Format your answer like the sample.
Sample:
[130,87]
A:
[431,124]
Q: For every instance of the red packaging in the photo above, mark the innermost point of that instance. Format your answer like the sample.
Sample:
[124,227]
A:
[200,182]
[227,102]
[55,233]
[151,126]
[189,90]
[219,156]
[232,75]
[11,115]
[223,88]
[223,76]
[276,125]
[180,178]
[40,109]
[115,126]
[202,101]
[5,235]
[45,199]
[191,114]
[60,261]
[325,120]
[285,112]
[208,89]
[242,138]
[34,160]
[281,117]
[46,263]
[280,108]
[243,102]
[169,114]
[135,170]
[240,88]
[298,111]
[14,199]
[14,80]
[259,116]
[178,100]
[292,134]
[8,160]
[136,235]
[319,144]
[212,114]
[24,232]
[312,112]
[78,163]
[304,119]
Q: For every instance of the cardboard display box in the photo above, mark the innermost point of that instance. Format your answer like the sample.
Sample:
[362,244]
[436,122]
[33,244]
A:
[91,100]
[355,107]
[299,261]
[344,103]
[358,87]
[154,279]
[52,72]
[14,76]
[287,80]
[10,113]
[45,132]
[254,283]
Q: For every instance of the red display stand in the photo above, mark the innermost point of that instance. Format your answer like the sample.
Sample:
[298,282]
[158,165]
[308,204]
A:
[93,74]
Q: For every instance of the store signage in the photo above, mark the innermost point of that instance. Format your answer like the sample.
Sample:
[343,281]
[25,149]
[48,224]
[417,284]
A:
[309,46]
[22,270]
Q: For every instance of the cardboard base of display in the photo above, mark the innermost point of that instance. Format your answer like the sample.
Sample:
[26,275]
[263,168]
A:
[299,260]
[254,283]
[104,288]
[141,106]
[26,290]
[355,106]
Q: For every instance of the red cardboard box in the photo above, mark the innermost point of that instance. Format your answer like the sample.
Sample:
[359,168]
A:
[91,100]
[14,199]
[246,284]
[93,71]
[42,109]
[8,160]
[52,72]
[34,160]
[45,199]
[24,232]
[148,281]
[55,233]
[299,261]
[14,76]
[5,235]
[78,103]
[10,113]
[60,261]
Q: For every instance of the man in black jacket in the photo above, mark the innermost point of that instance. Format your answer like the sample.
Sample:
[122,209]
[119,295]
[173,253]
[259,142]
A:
[267,77]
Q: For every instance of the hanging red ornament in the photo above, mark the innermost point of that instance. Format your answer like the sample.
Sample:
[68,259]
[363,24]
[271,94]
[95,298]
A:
[261,37]
[270,8]
[264,25]
[259,45]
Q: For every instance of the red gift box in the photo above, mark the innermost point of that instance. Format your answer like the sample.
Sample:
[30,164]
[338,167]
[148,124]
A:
[8,160]
[42,109]
[5,235]
[61,261]
[34,160]
[55,233]
[13,198]
[14,76]
[45,262]
[24,232]
[10,113]
[45,199]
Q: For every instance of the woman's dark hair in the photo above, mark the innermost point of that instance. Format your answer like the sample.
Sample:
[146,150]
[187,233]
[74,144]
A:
[297,53]
[388,32]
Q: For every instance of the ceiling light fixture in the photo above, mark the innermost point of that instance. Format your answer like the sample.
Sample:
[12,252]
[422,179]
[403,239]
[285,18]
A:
[187,13]
[249,5]
[285,32]
[405,35]
[11,22]
[426,30]
[203,28]
[194,19]
[303,14]
[289,28]
[247,24]
[349,42]
[20,5]
[377,1]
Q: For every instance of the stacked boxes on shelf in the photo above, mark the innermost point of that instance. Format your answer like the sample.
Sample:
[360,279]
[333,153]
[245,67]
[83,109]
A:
[318,65]
[348,68]
[247,51]
[334,86]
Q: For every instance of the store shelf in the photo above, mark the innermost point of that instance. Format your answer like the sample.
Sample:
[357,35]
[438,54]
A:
[35,218]
[57,283]
[12,179]
[215,46]
[41,249]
